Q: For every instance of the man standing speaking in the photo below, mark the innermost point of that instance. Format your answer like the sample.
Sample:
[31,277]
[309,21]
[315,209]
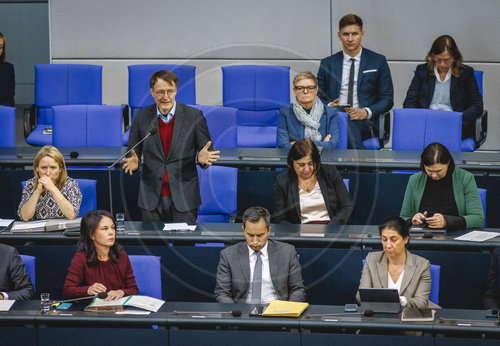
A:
[169,189]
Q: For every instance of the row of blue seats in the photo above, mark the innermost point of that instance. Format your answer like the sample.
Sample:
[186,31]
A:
[147,272]
[101,125]
[256,92]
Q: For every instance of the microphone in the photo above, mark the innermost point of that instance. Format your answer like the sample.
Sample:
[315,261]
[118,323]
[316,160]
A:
[151,132]
[100,295]
[234,313]
[366,313]
[74,154]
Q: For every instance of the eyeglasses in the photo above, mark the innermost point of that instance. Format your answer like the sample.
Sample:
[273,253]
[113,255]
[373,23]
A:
[310,88]
[161,93]
[446,61]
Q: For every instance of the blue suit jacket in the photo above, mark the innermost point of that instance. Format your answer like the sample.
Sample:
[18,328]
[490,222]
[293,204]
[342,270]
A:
[291,129]
[375,89]
[464,92]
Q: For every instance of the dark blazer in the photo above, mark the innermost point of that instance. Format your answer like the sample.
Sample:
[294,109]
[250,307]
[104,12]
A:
[233,273]
[190,135]
[416,285]
[492,295]
[7,84]
[375,89]
[291,129]
[14,280]
[337,200]
[464,92]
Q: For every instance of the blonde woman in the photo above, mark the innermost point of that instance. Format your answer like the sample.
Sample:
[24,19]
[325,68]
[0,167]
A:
[50,194]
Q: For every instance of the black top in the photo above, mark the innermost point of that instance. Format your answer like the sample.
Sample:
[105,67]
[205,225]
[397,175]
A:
[7,84]
[438,197]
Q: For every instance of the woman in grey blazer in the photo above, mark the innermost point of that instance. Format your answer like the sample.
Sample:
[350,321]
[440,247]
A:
[396,267]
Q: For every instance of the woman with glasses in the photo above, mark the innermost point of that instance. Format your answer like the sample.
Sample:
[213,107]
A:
[445,83]
[307,117]
[442,195]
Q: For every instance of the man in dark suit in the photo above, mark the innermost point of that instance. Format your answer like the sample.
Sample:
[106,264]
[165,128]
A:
[169,188]
[258,270]
[15,283]
[359,78]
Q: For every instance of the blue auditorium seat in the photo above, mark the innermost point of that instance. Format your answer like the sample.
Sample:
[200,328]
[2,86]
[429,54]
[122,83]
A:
[87,126]
[222,124]
[88,188]
[415,128]
[60,84]
[8,128]
[29,263]
[435,279]
[147,272]
[139,95]
[258,92]
[218,187]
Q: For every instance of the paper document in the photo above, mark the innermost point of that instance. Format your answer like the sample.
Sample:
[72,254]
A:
[179,226]
[5,305]
[5,222]
[285,308]
[478,236]
[141,302]
[133,312]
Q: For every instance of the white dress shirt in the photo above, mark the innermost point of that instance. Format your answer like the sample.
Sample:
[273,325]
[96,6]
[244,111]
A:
[397,285]
[267,293]
[344,85]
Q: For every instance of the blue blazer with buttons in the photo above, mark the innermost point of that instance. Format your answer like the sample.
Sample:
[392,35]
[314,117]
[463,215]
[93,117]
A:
[375,89]
[464,93]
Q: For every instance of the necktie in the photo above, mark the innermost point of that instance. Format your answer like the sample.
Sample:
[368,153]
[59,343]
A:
[257,279]
[350,89]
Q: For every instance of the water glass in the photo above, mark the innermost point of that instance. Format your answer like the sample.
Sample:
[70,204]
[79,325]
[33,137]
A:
[45,303]
[120,222]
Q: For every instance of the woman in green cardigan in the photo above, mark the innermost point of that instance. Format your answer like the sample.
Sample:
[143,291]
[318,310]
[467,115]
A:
[442,195]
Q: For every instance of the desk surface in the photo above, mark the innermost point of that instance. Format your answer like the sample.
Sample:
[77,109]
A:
[487,161]
[352,159]
[87,156]
[210,315]
[322,236]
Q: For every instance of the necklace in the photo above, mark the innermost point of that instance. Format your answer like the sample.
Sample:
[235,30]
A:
[307,187]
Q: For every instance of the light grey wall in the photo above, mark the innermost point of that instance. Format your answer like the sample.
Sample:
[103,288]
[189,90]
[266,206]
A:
[210,34]
[26,28]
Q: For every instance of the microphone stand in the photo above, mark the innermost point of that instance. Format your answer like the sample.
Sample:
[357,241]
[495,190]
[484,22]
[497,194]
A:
[110,190]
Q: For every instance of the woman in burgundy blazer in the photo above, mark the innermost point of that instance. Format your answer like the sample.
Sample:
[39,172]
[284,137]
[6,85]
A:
[101,264]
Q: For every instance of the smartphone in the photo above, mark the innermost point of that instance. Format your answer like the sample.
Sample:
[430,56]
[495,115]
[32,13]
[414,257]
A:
[351,307]
[344,106]
[492,313]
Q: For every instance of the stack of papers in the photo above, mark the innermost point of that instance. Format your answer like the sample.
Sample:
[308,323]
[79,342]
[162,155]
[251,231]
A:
[50,225]
[141,302]
[285,308]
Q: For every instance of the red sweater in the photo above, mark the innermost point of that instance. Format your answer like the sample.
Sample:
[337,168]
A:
[166,132]
[114,275]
